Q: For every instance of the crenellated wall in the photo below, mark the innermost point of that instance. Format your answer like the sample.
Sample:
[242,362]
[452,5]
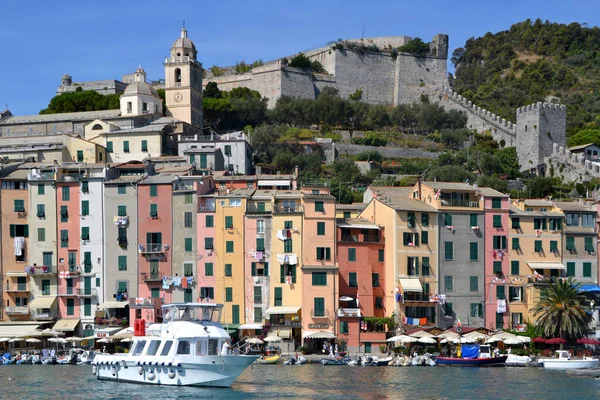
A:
[571,167]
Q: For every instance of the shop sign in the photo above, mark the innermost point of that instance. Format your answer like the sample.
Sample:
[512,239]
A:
[318,326]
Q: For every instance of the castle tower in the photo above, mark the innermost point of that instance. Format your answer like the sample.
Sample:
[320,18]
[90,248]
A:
[439,46]
[538,127]
[183,82]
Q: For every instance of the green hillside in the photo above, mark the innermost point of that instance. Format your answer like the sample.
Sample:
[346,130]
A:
[527,63]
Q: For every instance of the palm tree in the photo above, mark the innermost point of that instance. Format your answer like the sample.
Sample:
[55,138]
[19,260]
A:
[561,310]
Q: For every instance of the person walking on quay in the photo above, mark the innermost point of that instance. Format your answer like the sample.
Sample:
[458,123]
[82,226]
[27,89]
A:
[331,351]
[337,353]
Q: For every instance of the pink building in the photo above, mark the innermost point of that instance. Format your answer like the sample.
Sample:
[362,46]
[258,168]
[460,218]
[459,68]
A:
[69,236]
[496,258]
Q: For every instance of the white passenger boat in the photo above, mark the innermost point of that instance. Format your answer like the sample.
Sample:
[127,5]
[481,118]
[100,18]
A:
[564,361]
[187,349]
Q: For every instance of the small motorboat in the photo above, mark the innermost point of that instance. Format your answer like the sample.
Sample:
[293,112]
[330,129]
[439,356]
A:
[473,355]
[298,360]
[564,361]
[514,360]
[334,361]
[269,359]
[383,362]
[423,361]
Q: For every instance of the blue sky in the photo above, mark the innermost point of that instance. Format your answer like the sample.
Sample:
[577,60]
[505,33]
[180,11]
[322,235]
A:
[94,40]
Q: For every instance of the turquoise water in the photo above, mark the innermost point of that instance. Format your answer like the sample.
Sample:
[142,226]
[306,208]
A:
[308,382]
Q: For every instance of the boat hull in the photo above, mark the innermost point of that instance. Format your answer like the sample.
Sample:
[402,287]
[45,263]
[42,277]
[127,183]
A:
[472,362]
[214,371]
[570,364]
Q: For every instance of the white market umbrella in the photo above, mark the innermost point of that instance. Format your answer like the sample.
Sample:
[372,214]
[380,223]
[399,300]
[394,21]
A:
[443,341]
[254,340]
[15,340]
[272,339]
[448,335]
[421,334]
[57,340]
[409,339]
[427,340]
[462,340]
[4,339]
[105,340]
[126,340]
[33,340]
[74,339]
[396,338]
[512,341]
[475,335]
[52,332]
[493,340]
[525,339]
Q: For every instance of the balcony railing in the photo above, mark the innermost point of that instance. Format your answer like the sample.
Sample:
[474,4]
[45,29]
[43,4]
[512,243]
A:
[257,208]
[69,269]
[87,271]
[40,176]
[360,238]
[287,209]
[86,292]
[16,287]
[41,316]
[41,270]
[206,207]
[152,248]
[20,310]
[459,203]
[319,313]
[152,277]
[281,321]
[69,291]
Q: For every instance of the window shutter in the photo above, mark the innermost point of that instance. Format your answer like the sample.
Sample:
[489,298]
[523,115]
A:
[266,269]
[85,207]
[253,269]
[26,230]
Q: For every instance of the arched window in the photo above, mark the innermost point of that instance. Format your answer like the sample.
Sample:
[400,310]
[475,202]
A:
[177,75]
[97,127]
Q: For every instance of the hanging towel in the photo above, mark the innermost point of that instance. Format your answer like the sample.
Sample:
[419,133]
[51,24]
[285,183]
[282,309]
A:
[184,283]
[281,235]
[19,243]
[416,321]
[292,259]
[288,279]
[259,255]
[281,258]
[288,233]
[501,306]
[398,297]
[176,281]
[116,220]
[422,321]
[190,280]
[286,259]
[404,320]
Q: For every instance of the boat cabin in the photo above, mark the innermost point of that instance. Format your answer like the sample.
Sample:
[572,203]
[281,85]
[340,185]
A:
[188,329]
[563,354]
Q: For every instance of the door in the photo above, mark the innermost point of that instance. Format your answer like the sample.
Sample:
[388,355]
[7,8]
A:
[87,307]
[46,287]
[187,296]
[47,261]
[87,286]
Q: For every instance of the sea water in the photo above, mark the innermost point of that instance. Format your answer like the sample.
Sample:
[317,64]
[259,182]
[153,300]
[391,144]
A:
[309,381]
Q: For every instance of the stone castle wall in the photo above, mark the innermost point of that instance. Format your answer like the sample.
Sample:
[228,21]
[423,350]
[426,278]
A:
[571,167]
[382,78]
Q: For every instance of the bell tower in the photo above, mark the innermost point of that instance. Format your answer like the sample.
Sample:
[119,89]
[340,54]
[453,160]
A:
[183,82]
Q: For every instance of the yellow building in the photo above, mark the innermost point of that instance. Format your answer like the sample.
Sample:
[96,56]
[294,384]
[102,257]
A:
[349,210]
[535,255]
[229,248]
[411,251]
[83,151]
[285,286]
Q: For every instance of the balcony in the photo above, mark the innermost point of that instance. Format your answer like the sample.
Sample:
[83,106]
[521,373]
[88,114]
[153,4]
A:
[280,321]
[319,313]
[45,270]
[67,292]
[349,312]
[86,292]
[87,271]
[16,287]
[152,277]
[40,176]
[66,270]
[457,202]
[206,206]
[287,209]
[152,248]
[259,208]
[42,316]
[16,310]
[360,238]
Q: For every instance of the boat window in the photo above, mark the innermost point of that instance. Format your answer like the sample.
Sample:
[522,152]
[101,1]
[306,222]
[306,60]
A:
[213,347]
[139,348]
[183,347]
[201,348]
[153,348]
[166,348]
